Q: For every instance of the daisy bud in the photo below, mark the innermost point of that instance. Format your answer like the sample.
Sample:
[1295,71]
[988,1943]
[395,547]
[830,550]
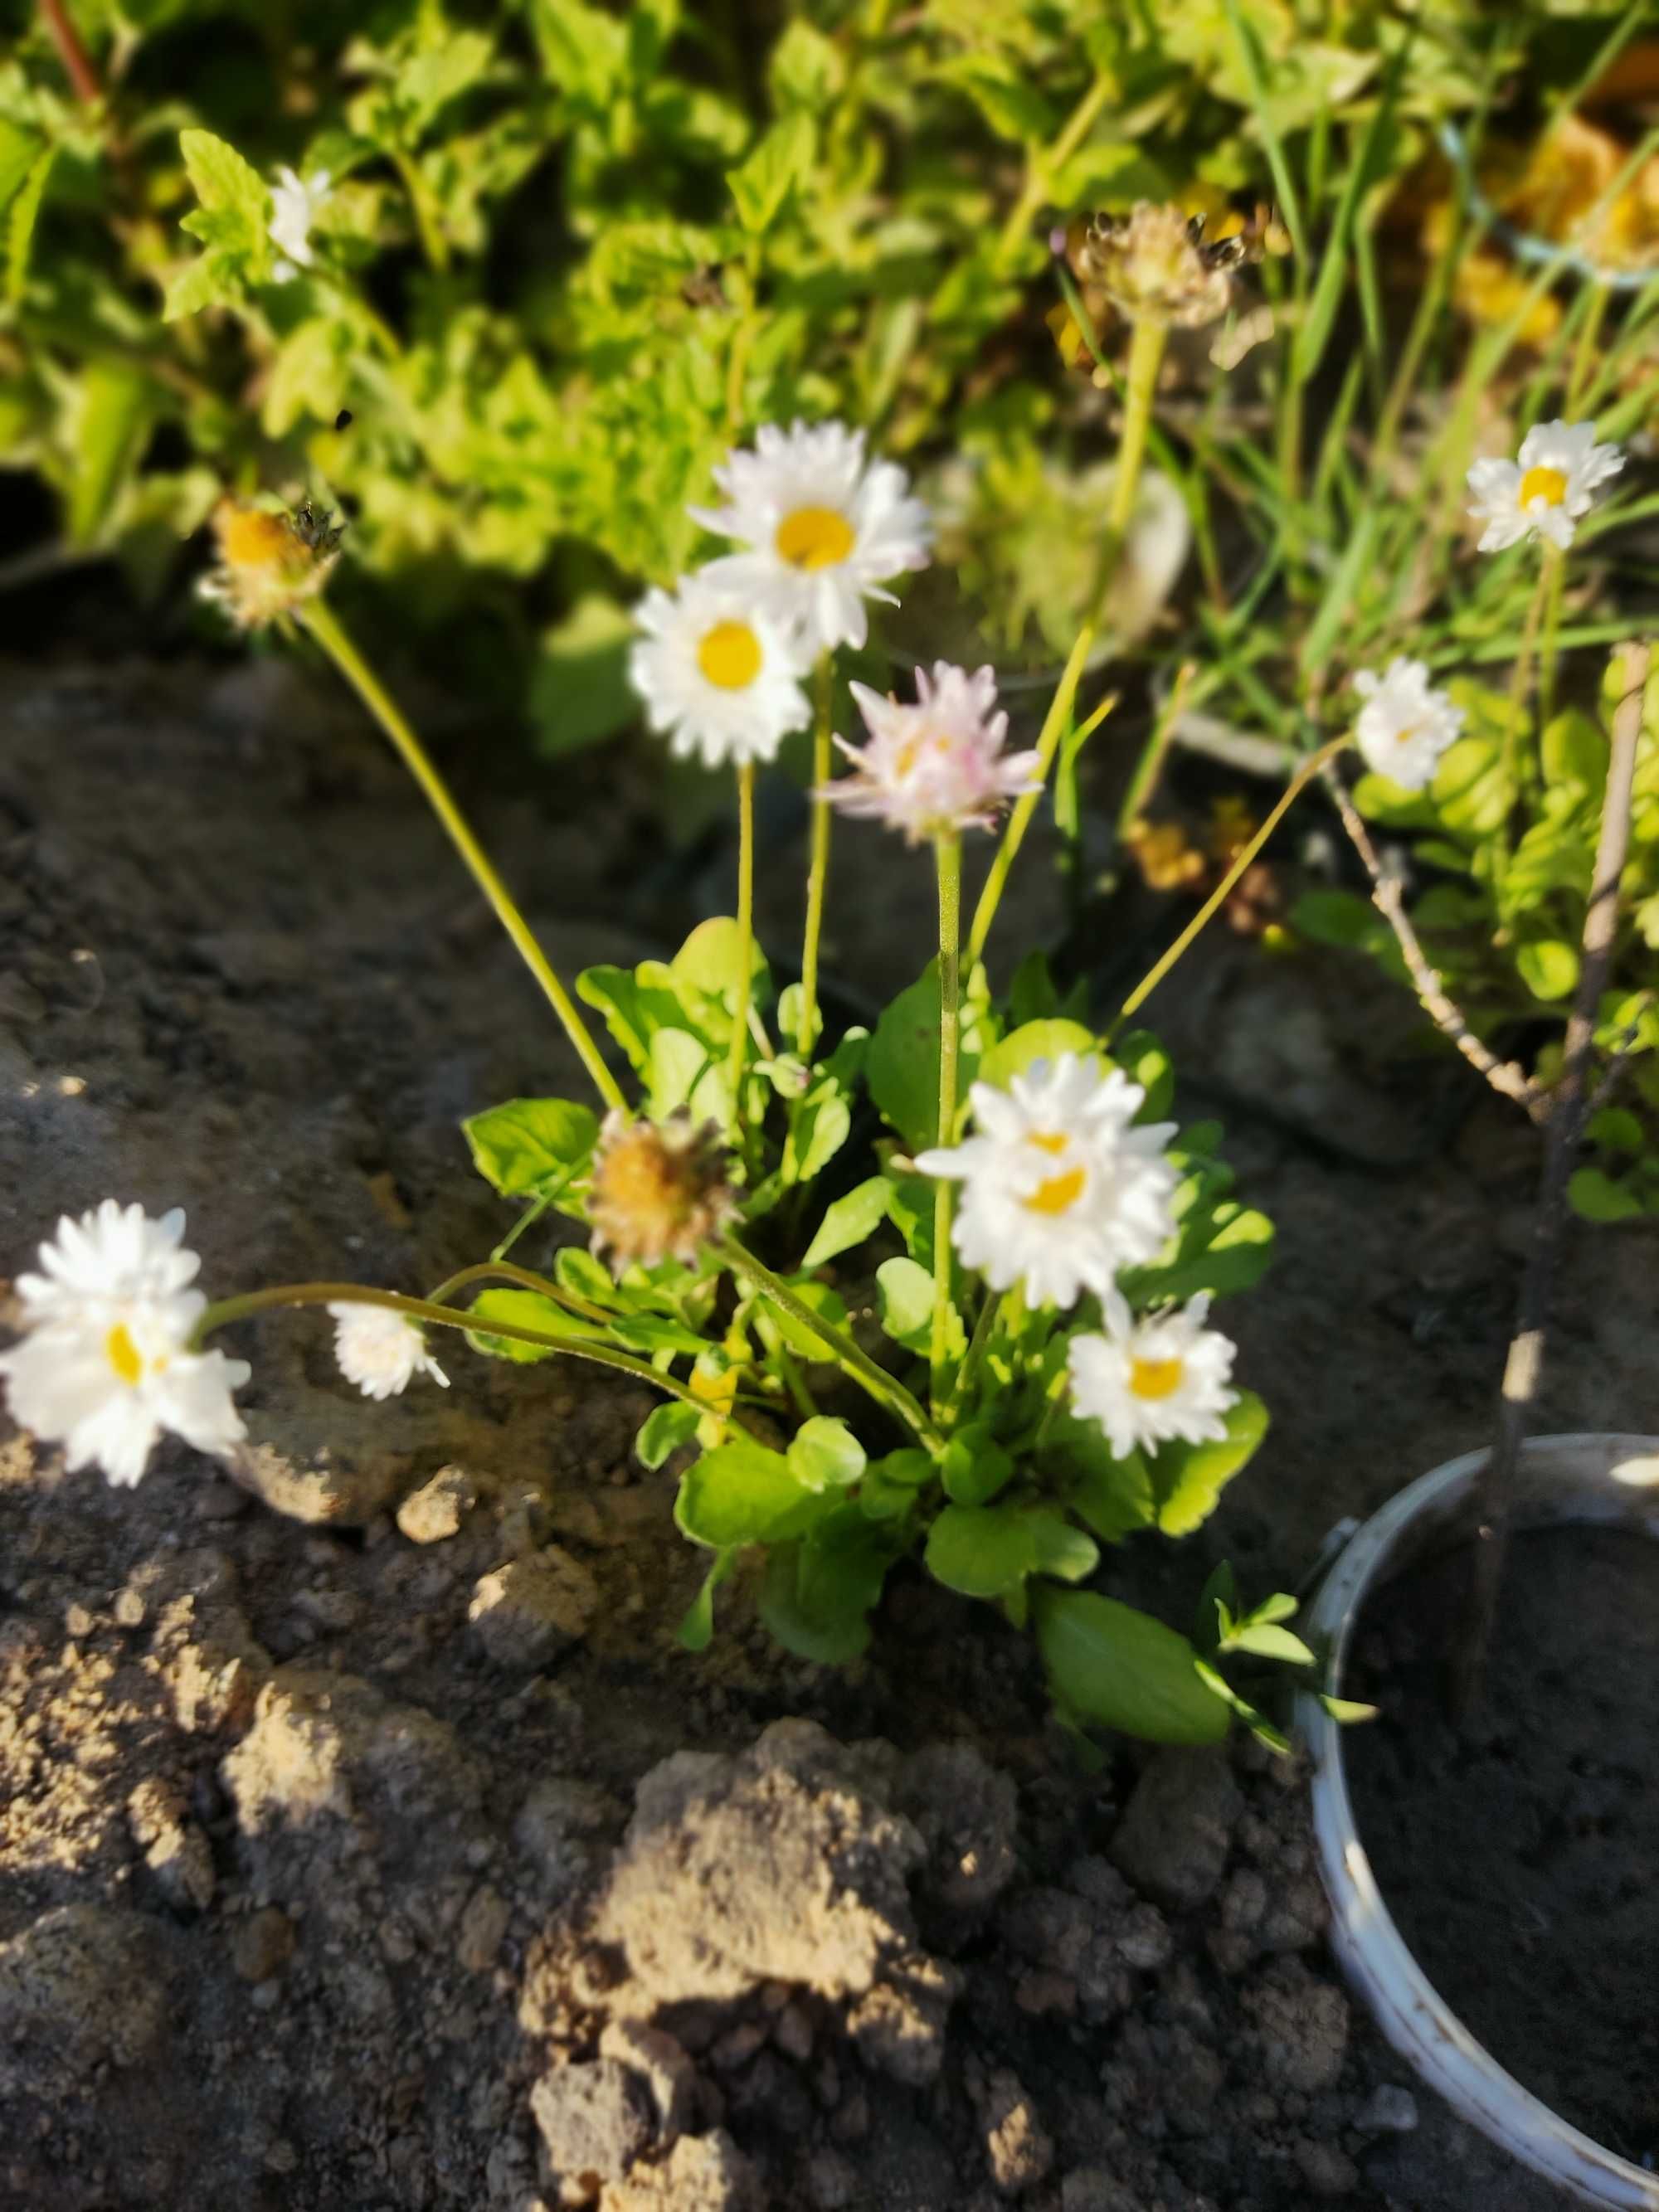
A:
[105,1364]
[659,1190]
[380,1350]
[269,563]
[1152,1382]
[1545,491]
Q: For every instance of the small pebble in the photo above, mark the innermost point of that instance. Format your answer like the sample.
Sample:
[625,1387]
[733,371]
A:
[1388,2110]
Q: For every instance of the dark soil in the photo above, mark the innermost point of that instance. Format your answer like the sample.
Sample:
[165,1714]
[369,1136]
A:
[366,1840]
[1517,1857]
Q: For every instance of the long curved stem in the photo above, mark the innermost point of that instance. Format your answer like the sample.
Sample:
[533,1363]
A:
[817,875]
[503,1272]
[948,852]
[1160,969]
[882,1386]
[1054,728]
[745,938]
[423,1310]
[325,626]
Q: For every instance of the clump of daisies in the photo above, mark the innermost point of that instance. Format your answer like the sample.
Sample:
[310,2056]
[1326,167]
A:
[1039,1368]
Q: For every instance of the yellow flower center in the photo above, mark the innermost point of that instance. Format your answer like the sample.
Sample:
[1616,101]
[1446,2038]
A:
[1547,485]
[1154,1378]
[814,538]
[250,538]
[123,1355]
[729,655]
[1059,1193]
[1047,1141]
[909,755]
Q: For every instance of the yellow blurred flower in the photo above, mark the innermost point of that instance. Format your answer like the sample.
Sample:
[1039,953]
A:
[1166,857]
[1551,190]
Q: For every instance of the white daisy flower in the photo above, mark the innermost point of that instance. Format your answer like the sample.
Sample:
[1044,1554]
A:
[1155,1380]
[719,674]
[1544,491]
[1404,724]
[938,765]
[380,1350]
[104,1365]
[295,201]
[1059,1191]
[825,529]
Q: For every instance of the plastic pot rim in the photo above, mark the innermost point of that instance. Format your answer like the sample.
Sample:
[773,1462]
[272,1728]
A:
[1613,1480]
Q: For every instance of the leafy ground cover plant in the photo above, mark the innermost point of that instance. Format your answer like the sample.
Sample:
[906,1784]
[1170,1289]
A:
[550,259]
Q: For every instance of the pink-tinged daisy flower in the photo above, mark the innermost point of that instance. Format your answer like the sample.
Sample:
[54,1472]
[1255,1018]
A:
[936,767]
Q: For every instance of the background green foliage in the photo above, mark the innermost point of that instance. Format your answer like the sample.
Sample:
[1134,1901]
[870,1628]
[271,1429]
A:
[571,253]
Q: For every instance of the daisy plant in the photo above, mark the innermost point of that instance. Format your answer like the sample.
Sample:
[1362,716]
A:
[937,1291]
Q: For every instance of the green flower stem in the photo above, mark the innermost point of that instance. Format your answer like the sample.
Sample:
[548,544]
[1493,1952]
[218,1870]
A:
[1145,359]
[882,1386]
[984,1329]
[1554,576]
[818,871]
[1160,967]
[437,1316]
[1055,723]
[434,243]
[1148,769]
[532,1214]
[947,849]
[1042,163]
[795,1382]
[497,1270]
[746,938]
[1521,682]
[325,626]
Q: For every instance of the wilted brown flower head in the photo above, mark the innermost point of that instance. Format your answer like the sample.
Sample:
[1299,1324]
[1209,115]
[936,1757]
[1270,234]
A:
[660,1190]
[1155,264]
[269,562]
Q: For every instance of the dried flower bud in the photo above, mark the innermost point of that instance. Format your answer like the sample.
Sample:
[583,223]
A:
[269,562]
[660,1190]
[1156,265]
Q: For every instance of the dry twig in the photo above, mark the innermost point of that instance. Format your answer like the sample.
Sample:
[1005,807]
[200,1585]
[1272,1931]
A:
[1389,901]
